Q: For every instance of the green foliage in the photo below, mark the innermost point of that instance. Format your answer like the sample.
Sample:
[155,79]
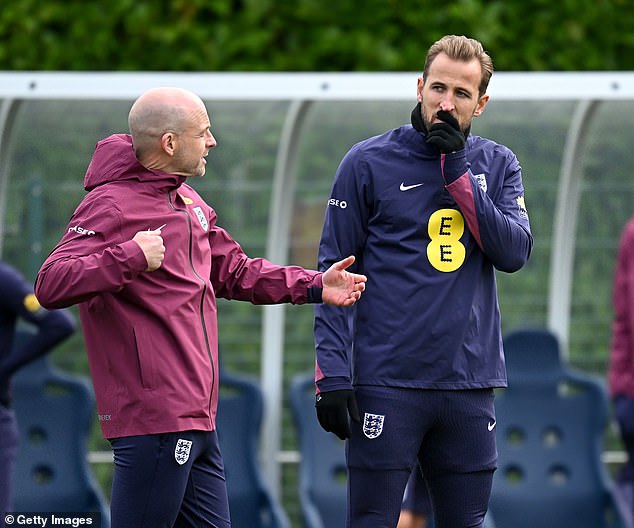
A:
[308,35]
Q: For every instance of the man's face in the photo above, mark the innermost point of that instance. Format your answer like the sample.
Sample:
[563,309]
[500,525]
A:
[194,144]
[452,86]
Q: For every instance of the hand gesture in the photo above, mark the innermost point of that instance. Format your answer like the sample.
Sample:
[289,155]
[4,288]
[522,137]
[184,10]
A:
[446,136]
[341,287]
[151,243]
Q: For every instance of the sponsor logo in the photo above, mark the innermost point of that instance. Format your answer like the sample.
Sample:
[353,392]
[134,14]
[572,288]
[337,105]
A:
[373,425]
[31,303]
[201,217]
[404,187]
[182,450]
[333,202]
[491,425]
[81,231]
[482,181]
[188,201]
[104,417]
[522,207]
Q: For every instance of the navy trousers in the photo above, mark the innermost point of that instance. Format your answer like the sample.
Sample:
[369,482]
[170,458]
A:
[452,435]
[169,480]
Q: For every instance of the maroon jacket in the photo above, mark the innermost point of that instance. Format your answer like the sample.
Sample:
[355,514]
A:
[621,372]
[152,338]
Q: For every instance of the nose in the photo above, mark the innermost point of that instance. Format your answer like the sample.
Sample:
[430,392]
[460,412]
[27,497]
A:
[211,141]
[447,105]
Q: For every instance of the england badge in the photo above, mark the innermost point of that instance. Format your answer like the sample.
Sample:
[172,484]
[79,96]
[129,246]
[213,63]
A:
[183,448]
[482,181]
[201,218]
[373,425]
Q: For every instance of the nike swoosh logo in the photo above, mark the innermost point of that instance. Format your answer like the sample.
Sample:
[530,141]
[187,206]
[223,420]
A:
[491,426]
[404,187]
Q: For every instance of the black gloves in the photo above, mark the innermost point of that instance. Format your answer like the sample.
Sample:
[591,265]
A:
[332,411]
[446,136]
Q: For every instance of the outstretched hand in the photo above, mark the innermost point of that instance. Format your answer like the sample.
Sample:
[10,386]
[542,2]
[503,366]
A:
[340,287]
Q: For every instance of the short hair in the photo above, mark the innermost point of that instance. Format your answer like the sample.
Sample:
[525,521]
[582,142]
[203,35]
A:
[464,49]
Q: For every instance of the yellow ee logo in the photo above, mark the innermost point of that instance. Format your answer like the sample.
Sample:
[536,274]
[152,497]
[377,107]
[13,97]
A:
[445,251]
[31,303]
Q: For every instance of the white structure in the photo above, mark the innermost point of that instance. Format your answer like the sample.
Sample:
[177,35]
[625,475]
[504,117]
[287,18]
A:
[299,93]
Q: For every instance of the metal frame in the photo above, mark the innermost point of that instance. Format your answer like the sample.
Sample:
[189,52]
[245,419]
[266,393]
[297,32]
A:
[565,222]
[302,89]
[272,368]
[307,86]
[8,112]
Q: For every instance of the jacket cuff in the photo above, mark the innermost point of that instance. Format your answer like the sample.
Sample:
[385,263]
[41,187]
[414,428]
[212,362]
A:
[314,294]
[334,383]
[454,166]
[315,289]
[137,257]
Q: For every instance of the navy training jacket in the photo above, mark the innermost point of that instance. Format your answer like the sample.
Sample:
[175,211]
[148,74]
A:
[429,244]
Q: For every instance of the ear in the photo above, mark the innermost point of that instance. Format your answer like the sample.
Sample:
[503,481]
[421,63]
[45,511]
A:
[482,102]
[168,143]
[419,88]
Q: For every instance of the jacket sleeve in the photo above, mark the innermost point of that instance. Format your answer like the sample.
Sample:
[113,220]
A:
[91,258]
[621,375]
[499,225]
[236,276]
[51,327]
[344,233]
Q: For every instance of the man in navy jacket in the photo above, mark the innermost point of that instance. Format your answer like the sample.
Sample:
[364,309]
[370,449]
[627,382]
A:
[430,212]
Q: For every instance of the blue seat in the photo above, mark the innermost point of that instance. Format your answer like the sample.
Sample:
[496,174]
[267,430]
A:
[550,426]
[55,412]
[322,469]
[238,422]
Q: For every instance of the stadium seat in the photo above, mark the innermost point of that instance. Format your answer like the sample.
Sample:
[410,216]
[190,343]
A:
[322,470]
[240,410]
[55,412]
[550,426]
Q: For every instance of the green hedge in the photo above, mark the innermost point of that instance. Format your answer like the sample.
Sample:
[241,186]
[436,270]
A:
[305,35]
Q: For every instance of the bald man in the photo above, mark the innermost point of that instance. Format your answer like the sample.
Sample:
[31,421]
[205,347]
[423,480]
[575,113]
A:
[145,260]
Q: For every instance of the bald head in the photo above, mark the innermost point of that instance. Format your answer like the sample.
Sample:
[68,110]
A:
[159,110]
[158,118]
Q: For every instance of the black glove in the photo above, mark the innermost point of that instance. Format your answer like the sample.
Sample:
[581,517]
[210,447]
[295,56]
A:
[446,136]
[332,411]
